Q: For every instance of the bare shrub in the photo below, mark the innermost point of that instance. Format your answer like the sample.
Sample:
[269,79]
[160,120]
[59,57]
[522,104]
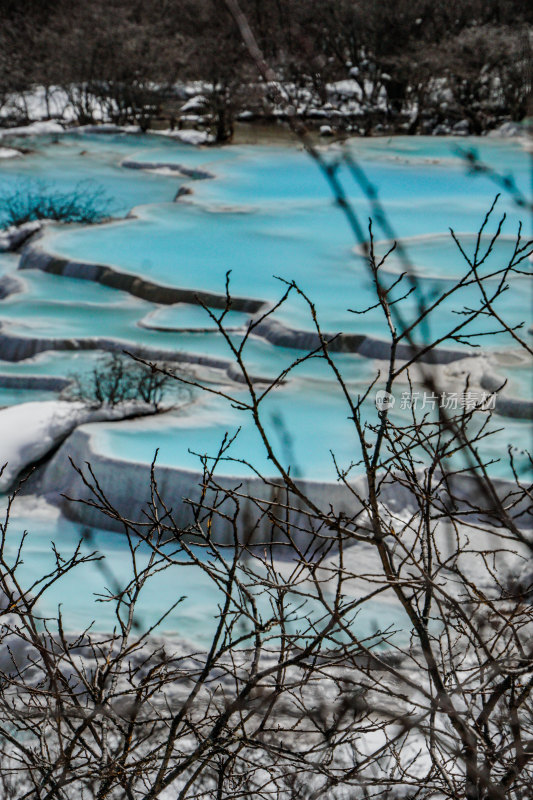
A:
[32,200]
[118,379]
[294,696]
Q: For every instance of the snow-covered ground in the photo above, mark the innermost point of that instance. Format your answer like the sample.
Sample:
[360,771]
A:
[11,238]
[192,137]
[9,152]
[30,430]
[52,108]
[39,127]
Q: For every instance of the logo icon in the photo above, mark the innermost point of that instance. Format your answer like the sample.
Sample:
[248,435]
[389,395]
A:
[384,400]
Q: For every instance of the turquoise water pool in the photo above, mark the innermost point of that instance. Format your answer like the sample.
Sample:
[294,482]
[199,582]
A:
[78,594]
[266,214]
[92,161]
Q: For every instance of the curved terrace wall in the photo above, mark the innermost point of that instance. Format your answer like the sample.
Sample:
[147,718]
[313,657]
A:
[126,485]
[35,257]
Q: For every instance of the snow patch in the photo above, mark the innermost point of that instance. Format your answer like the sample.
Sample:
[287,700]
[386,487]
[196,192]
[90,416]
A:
[34,129]
[30,430]
[196,103]
[38,103]
[11,238]
[507,130]
[188,136]
[9,152]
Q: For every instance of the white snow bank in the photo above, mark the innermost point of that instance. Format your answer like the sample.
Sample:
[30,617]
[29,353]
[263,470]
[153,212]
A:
[15,235]
[9,152]
[35,129]
[196,103]
[188,136]
[30,430]
[345,88]
[507,130]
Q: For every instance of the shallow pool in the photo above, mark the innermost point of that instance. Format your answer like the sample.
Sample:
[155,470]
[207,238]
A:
[265,214]
[79,594]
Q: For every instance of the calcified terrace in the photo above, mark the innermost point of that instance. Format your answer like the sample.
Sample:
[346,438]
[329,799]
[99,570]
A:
[181,218]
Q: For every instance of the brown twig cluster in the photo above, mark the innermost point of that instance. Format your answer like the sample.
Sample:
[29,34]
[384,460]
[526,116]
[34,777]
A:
[373,641]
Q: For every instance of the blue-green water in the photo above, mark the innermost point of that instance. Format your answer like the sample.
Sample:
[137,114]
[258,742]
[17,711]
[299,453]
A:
[266,214]
[79,594]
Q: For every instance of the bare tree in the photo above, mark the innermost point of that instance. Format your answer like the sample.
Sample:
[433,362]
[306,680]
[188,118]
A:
[290,699]
[293,697]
